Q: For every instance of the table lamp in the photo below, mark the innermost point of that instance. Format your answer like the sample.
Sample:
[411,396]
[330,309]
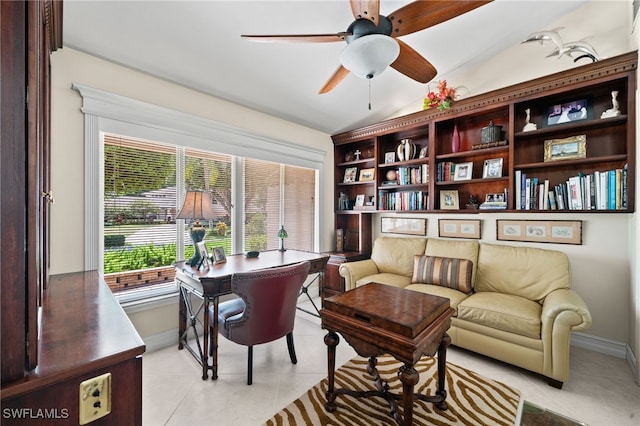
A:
[197,206]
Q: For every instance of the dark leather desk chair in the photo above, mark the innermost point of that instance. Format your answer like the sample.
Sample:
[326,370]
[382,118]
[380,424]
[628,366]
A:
[266,309]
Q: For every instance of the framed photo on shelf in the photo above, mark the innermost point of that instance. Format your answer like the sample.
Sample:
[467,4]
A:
[568,112]
[389,157]
[367,174]
[540,231]
[204,256]
[463,171]
[498,197]
[459,228]
[492,168]
[350,174]
[218,255]
[339,239]
[402,225]
[359,200]
[565,149]
[449,200]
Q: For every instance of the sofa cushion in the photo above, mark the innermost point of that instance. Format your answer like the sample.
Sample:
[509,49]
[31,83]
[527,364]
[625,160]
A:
[395,255]
[504,312]
[460,249]
[454,296]
[527,272]
[444,271]
[394,280]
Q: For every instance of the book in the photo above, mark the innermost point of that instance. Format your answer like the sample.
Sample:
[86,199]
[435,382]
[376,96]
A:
[518,179]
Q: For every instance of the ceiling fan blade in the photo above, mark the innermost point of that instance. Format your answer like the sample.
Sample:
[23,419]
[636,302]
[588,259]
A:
[298,38]
[419,15]
[413,65]
[366,9]
[334,80]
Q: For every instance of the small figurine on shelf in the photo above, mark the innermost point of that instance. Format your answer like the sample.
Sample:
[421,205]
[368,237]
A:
[473,203]
[529,126]
[282,234]
[614,111]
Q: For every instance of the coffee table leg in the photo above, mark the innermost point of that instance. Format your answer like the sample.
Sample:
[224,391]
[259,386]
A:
[331,340]
[442,371]
[409,377]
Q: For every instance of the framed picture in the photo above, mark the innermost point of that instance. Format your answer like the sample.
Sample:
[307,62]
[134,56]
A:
[463,171]
[540,231]
[459,228]
[498,197]
[569,112]
[565,149]
[218,255]
[390,157]
[449,200]
[350,174]
[424,152]
[339,239]
[492,168]
[409,226]
[204,256]
[367,174]
[360,200]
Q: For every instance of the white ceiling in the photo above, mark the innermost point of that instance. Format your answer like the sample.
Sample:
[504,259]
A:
[197,44]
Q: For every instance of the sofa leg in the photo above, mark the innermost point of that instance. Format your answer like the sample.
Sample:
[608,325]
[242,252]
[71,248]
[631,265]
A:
[554,383]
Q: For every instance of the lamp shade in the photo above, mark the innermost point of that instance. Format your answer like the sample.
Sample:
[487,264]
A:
[369,55]
[197,205]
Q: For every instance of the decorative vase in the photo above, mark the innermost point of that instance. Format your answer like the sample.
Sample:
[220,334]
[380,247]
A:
[406,150]
[455,140]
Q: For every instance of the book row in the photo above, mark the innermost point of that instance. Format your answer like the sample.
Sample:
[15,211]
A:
[403,200]
[600,190]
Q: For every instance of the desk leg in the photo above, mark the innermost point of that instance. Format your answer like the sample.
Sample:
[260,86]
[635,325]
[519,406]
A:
[182,317]
[205,340]
[331,340]
[214,339]
[442,371]
[409,377]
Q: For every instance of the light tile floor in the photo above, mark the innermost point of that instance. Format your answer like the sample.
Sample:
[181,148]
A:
[600,391]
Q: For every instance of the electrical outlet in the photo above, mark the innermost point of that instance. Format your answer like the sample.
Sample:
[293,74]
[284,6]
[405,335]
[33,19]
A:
[95,398]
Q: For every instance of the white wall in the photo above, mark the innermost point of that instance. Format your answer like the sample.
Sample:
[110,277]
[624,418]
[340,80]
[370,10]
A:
[67,156]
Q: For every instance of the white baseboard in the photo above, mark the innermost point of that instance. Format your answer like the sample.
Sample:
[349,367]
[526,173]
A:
[598,344]
[165,339]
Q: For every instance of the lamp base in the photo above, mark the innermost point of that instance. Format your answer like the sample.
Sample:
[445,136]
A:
[197,233]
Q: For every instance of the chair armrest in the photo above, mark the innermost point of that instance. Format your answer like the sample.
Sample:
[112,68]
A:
[565,307]
[563,311]
[353,271]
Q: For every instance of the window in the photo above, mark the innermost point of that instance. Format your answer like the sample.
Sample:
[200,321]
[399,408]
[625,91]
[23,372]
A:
[142,181]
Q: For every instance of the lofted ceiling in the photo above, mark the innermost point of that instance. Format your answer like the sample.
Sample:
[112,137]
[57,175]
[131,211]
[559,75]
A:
[197,44]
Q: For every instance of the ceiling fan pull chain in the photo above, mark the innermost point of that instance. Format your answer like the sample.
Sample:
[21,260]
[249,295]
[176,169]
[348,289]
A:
[369,94]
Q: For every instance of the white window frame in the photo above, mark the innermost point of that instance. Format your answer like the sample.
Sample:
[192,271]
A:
[106,112]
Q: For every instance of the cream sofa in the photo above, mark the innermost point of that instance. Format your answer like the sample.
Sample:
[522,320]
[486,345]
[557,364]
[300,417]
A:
[519,309]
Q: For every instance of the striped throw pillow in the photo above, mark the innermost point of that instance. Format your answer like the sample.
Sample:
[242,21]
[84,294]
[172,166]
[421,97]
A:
[443,271]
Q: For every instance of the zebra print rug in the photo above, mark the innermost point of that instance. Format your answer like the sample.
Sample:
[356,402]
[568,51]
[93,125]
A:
[472,399]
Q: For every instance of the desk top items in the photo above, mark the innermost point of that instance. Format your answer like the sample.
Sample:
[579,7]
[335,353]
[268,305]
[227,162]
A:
[253,253]
[529,126]
[615,109]
[197,206]
[282,234]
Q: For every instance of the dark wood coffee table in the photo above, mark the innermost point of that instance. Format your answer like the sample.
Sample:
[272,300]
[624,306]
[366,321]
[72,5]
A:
[377,319]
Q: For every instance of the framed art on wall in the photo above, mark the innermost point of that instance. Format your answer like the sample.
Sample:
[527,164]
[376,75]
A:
[402,225]
[540,231]
[459,228]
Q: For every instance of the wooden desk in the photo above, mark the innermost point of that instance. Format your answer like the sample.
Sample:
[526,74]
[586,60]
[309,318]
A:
[377,319]
[209,284]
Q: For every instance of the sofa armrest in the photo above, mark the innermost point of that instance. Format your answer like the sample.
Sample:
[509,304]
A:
[563,311]
[353,271]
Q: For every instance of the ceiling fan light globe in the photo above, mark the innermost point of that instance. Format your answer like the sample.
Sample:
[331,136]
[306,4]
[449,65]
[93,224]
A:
[369,55]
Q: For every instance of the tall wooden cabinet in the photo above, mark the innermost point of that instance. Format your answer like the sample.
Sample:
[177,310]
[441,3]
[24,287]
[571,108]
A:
[582,144]
[59,331]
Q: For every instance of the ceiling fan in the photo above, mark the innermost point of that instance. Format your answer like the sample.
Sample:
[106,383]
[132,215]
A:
[372,42]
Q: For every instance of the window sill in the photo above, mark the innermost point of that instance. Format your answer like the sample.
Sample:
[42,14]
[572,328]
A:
[148,298]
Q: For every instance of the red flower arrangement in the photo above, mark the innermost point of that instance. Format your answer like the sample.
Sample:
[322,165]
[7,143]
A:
[441,100]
